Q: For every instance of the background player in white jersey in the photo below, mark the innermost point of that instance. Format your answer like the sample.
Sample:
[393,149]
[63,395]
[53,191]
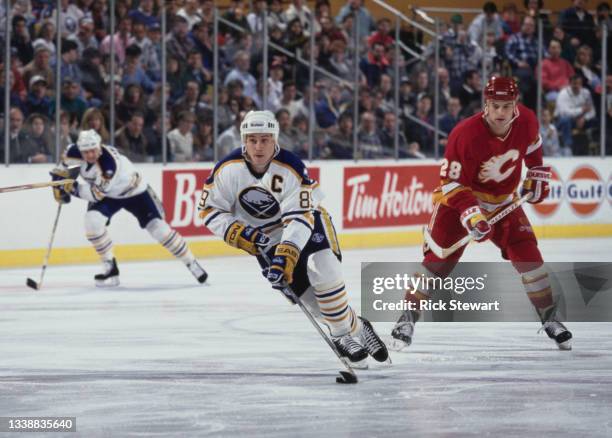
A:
[260,198]
[111,183]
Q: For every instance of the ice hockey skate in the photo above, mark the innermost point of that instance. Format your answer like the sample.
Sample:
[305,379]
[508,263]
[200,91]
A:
[110,276]
[558,333]
[198,272]
[352,350]
[372,342]
[403,331]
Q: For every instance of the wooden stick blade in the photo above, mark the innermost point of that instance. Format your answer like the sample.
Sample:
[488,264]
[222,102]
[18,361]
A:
[32,284]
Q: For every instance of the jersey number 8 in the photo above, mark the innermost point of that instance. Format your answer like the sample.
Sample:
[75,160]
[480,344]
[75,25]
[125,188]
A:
[454,170]
[305,199]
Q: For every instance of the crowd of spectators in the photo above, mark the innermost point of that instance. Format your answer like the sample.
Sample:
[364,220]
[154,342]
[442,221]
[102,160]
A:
[497,42]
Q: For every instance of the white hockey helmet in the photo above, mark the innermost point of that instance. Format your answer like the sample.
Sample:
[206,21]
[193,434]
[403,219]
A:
[88,139]
[259,122]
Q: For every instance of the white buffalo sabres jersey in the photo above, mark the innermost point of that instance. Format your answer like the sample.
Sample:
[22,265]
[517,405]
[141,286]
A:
[112,176]
[279,202]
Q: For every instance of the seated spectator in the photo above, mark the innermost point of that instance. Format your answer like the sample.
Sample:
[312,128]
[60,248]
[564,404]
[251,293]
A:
[556,71]
[299,10]
[189,11]
[510,20]
[242,61]
[574,110]
[37,127]
[535,9]
[460,55]
[329,108]
[46,38]
[203,41]
[522,52]
[382,34]
[374,65]
[149,58]
[276,17]
[180,139]
[340,65]
[370,145]
[84,38]
[288,100]
[38,100]
[144,13]
[195,71]
[550,137]
[203,146]
[286,136]
[121,40]
[91,74]
[20,39]
[94,119]
[133,72]
[230,138]
[470,94]
[275,87]
[568,51]
[21,147]
[154,135]
[340,144]
[130,139]
[39,66]
[176,78]
[189,102]
[356,8]
[423,135]
[70,14]
[450,119]
[71,100]
[68,130]
[256,18]
[583,66]
[578,24]
[178,43]
[69,67]
[300,137]
[132,101]
[329,29]
[234,14]
[489,20]
[295,37]
[387,137]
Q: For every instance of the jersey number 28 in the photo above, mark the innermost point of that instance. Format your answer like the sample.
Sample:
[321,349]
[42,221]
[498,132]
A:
[454,170]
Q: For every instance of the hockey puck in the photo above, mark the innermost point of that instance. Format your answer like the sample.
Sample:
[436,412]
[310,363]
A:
[31,283]
[346,377]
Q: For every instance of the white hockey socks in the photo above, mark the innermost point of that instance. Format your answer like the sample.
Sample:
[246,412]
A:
[171,240]
[335,310]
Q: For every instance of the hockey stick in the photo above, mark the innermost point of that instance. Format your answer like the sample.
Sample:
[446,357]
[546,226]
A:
[31,283]
[60,182]
[445,252]
[347,376]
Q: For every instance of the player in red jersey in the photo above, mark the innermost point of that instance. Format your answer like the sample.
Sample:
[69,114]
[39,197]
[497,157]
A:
[480,173]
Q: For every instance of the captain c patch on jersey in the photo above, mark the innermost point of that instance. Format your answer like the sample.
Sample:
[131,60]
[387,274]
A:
[259,203]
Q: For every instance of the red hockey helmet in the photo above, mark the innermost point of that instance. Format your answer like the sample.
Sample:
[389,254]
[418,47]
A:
[501,88]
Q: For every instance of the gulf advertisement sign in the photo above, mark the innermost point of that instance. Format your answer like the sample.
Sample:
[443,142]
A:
[375,196]
[552,203]
[181,191]
[585,190]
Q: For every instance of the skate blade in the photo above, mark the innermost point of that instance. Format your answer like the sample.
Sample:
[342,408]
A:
[360,365]
[109,282]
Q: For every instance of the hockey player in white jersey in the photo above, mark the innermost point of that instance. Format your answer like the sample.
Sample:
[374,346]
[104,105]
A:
[260,198]
[111,183]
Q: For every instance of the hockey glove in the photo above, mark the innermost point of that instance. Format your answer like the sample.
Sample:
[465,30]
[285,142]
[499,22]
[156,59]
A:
[283,263]
[537,183]
[247,238]
[62,193]
[475,223]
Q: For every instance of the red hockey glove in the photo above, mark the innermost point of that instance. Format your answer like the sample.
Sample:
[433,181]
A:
[537,183]
[476,223]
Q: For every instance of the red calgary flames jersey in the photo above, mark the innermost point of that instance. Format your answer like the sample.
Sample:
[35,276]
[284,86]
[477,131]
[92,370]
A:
[480,168]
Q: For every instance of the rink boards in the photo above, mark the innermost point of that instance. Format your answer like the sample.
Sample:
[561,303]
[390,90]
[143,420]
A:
[374,204]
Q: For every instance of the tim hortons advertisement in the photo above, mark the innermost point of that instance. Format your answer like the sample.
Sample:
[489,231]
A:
[181,191]
[388,196]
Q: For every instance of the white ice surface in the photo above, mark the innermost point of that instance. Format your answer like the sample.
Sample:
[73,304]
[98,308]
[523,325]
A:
[163,356]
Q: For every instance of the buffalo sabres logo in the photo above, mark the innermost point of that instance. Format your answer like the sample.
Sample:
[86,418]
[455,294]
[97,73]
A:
[259,203]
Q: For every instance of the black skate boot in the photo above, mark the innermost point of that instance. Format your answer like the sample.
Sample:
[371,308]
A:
[198,272]
[352,350]
[404,330]
[372,343]
[558,333]
[110,276]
